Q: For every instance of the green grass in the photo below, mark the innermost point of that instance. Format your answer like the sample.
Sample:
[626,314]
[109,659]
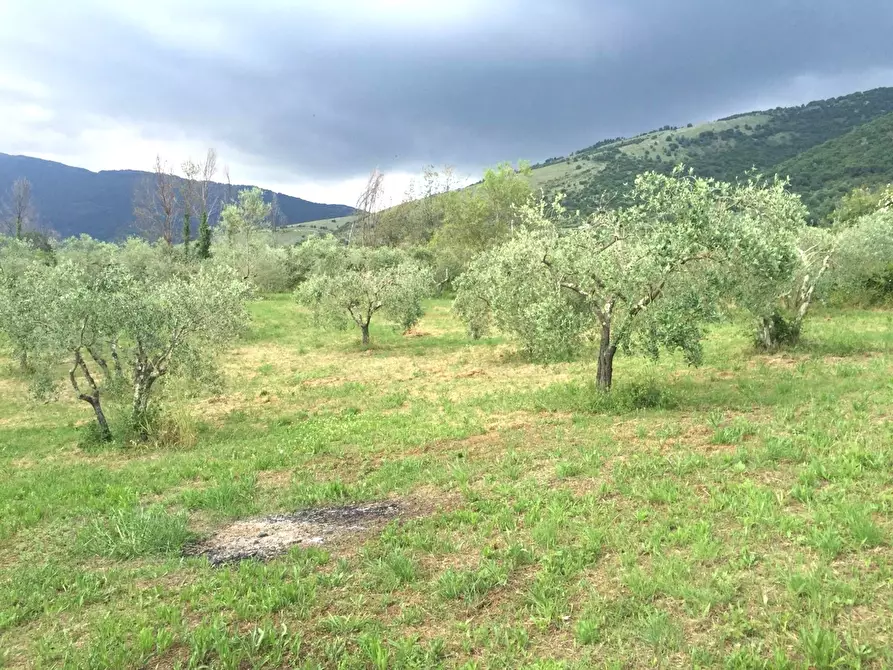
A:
[298,232]
[736,515]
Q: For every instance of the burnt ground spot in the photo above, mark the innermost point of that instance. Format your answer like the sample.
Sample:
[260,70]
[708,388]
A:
[267,537]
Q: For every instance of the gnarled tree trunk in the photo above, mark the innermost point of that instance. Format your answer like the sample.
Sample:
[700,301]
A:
[364,328]
[144,378]
[606,353]
[775,331]
[92,398]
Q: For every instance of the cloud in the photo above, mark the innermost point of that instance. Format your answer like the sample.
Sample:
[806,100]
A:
[311,95]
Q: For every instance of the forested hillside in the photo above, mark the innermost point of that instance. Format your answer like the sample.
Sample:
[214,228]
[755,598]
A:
[770,141]
[862,157]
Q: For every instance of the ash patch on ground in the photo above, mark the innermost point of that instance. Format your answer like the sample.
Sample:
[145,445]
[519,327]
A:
[267,537]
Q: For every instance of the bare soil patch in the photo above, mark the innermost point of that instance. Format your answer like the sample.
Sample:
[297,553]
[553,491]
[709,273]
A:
[267,537]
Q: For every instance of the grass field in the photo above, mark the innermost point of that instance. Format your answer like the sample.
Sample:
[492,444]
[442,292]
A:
[298,232]
[737,515]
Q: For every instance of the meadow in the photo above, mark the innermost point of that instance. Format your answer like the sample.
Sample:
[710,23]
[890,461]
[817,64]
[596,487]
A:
[734,515]
[298,232]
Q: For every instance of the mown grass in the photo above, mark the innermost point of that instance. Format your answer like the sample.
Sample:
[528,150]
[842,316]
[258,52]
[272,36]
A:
[737,515]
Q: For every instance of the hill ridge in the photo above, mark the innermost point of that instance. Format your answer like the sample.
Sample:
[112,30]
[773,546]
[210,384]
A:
[72,200]
[724,149]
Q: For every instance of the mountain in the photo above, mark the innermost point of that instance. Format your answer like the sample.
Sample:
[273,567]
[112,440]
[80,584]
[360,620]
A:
[785,140]
[862,157]
[71,200]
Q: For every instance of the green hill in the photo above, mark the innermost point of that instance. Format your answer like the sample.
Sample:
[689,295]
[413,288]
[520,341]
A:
[862,157]
[769,140]
[297,233]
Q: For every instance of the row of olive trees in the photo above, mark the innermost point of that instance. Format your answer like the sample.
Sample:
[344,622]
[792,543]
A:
[646,276]
[109,318]
[650,275]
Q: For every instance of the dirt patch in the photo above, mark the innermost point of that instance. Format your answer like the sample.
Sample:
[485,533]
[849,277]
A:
[271,536]
[275,478]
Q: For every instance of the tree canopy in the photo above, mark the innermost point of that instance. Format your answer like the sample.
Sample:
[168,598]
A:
[355,283]
[646,276]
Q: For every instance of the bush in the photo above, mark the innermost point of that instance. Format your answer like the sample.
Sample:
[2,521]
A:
[865,260]
[880,286]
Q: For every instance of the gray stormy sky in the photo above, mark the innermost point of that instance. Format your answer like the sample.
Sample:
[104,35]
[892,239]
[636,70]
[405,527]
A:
[307,97]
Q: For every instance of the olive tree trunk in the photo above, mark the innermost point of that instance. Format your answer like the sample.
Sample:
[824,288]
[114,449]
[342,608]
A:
[606,351]
[105,432]
[776,331]
[364,328]
[142,385]
[91,398]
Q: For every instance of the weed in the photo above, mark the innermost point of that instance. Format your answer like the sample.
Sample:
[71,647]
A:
[136,532]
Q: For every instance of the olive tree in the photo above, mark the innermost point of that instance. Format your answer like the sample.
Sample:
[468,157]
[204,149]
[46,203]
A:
[75,310]
[178,322]
[17,299]
[243,222]
[865,253]
[643,277]
[357,282]
[148,325]
[781,303]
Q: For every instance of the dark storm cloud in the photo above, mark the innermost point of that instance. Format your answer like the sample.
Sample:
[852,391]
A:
[330,94]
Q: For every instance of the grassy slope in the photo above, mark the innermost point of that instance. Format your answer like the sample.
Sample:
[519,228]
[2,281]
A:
[745,517]
[724,149]
[297,233]
[862,157]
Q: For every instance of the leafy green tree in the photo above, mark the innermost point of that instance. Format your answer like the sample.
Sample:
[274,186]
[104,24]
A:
[643,277]
[359,282]
[244,221]
[858,203]
[782,302]
[865,256]
[177,326]
[149,326]
[480,217]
